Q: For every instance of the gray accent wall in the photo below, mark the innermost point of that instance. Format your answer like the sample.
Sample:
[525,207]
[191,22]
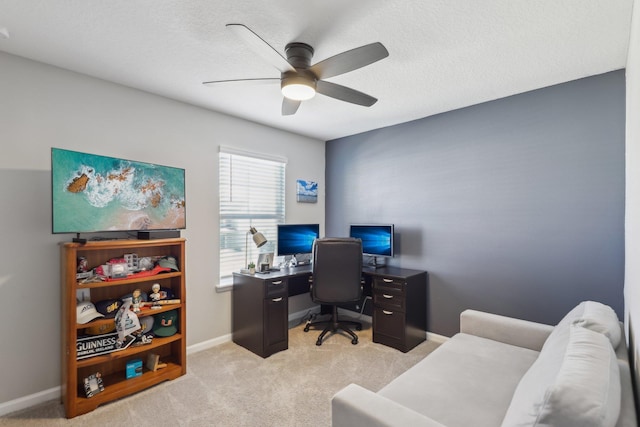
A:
[514,206]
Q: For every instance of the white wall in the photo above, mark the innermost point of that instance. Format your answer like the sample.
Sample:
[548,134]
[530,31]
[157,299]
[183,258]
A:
[632,215]
[43,107]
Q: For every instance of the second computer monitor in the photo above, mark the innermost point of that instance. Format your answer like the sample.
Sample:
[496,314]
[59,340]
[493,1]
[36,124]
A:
[377,239]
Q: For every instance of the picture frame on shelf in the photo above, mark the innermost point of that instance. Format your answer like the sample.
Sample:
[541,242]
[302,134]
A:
[93,384]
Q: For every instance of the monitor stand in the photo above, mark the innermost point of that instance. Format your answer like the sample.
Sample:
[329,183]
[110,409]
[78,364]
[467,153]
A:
[375,263]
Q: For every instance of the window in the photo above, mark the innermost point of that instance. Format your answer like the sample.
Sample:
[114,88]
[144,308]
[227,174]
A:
[251,194]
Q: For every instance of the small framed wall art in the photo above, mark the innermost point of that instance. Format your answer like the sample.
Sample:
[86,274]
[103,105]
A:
[306,191]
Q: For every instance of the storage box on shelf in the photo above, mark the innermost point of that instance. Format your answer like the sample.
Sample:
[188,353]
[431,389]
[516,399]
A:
[112,366]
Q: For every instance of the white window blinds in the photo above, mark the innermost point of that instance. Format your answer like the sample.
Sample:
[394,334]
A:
[251,194]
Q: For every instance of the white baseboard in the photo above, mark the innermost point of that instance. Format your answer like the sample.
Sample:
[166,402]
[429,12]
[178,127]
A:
[440,339]
[205,345]
[294,319]
[30,400]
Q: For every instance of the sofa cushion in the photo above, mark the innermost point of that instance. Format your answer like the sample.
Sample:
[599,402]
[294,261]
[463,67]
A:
[584,392]
[467,381]
[591,315]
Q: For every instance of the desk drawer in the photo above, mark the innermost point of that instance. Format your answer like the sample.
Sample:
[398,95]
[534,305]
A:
[275,287]
[388,322]
[389,284]
[389,298]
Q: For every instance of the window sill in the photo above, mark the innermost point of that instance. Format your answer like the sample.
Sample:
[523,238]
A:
[225,285]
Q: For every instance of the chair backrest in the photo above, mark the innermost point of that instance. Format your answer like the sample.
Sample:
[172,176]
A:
[337,270]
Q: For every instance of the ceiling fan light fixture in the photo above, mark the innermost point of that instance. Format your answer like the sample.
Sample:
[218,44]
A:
[298,88]
[299,79]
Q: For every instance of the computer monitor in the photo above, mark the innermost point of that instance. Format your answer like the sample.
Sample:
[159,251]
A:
[297,239]
[377,239]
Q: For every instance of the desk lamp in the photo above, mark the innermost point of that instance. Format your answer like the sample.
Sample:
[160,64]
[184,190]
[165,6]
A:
[258,239]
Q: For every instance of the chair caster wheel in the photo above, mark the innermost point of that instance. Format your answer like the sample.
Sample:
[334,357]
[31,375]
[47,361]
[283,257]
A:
[354,342]
[319,342]
[306,328]
[358,327]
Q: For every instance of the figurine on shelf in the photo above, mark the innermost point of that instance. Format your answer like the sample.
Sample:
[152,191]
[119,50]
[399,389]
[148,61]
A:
[155,295]
[136,301]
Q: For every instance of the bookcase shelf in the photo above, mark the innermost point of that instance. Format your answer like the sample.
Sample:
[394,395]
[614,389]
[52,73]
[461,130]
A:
[112,366]
[122,282]
[100,322]
[116,386]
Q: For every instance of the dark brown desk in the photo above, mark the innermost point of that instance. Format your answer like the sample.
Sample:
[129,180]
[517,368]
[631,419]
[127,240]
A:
[261,310]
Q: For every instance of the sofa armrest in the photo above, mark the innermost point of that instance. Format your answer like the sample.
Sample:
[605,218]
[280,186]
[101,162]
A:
[628,416]
[508,330]
[355,406]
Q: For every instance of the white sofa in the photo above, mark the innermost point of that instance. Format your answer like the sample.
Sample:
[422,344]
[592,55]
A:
[501,371]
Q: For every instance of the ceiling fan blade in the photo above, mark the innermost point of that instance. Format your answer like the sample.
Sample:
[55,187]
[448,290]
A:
[344,93]
[261,47]
[289,106]
[259,81]
[350,60]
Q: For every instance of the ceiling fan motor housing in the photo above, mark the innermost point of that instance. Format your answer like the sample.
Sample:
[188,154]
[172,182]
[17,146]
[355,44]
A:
[299,54]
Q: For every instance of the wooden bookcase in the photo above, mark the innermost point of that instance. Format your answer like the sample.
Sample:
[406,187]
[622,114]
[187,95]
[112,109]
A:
[172,350]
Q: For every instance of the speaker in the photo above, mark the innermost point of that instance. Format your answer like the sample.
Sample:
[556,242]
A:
[158,234]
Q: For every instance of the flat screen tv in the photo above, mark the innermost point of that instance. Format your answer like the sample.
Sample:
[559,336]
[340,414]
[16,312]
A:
[93,193]
[377,239]
[297,239]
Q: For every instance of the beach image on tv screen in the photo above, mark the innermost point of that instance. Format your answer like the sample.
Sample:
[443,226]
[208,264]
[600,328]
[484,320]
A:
[97,193]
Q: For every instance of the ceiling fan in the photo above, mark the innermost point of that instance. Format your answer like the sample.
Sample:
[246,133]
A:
[299,80]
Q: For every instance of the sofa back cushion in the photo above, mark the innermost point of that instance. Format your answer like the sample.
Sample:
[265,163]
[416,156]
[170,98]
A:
[578,386]
[591,315]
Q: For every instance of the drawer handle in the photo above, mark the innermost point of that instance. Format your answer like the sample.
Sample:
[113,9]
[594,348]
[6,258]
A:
[277,299]
[279,282]
[387,296]
[387,312]
[387,280]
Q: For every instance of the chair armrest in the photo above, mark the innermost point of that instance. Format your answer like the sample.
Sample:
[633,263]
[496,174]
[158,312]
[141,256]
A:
[508,330]
[355,406]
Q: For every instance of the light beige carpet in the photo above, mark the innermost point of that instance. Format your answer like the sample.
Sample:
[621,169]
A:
[230,386]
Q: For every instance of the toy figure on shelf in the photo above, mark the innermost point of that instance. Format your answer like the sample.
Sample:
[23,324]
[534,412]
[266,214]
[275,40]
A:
[155,295]
[136,301]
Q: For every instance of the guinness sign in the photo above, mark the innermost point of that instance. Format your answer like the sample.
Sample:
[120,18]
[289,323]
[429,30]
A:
[100,344]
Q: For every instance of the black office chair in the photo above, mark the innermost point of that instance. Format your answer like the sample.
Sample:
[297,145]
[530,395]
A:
[337,271]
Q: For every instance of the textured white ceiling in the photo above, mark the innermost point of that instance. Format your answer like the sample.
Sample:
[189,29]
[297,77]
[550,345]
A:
[444,54]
